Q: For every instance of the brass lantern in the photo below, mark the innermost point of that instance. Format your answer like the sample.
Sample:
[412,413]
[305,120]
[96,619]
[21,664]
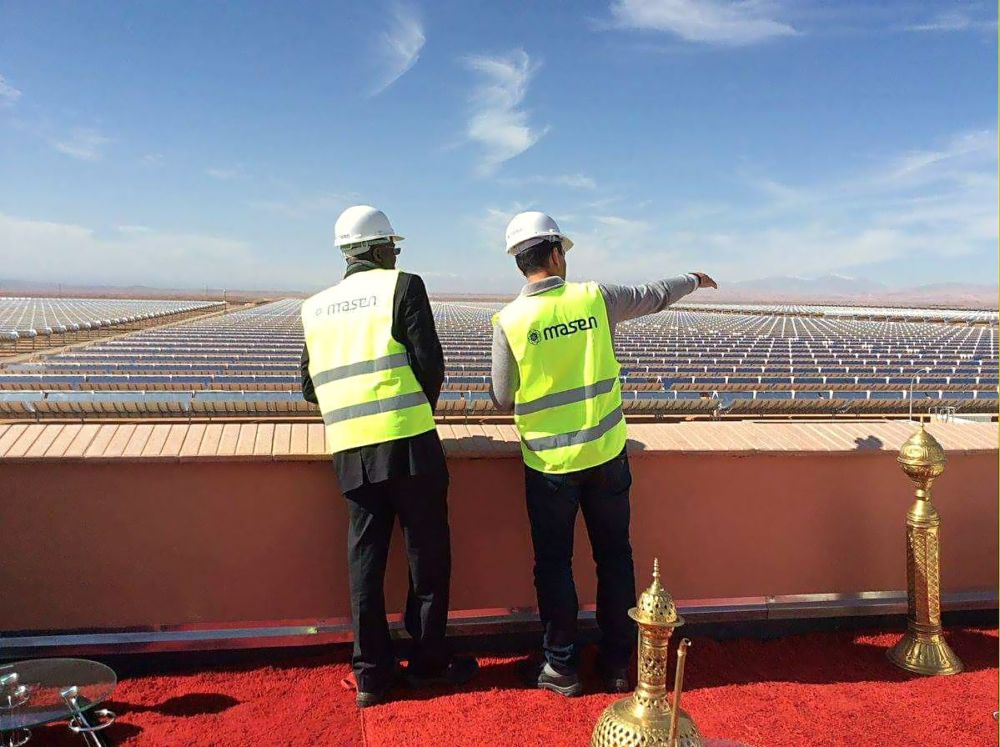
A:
[923,649]
[647,718]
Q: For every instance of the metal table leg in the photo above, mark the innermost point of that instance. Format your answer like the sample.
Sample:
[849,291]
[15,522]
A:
[15,738]
[79,723]
[13,695]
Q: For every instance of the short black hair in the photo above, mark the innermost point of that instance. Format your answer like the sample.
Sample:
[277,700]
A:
[369,254]
[537,257]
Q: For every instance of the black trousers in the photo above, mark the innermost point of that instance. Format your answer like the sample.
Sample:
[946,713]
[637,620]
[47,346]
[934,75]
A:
[602,493]
[420,502]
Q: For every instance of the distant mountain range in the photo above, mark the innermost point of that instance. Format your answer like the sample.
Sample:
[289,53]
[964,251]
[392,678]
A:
[837,289]
[844,289]
[68,290]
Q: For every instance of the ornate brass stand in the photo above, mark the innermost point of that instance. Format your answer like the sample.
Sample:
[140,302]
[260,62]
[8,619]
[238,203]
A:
[647,719]
[923,649]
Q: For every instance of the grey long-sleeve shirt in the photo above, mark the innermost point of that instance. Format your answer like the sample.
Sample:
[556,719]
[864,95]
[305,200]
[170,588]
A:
[624,302]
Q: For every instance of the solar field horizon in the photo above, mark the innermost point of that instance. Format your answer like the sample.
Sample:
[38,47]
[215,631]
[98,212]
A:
[139,358]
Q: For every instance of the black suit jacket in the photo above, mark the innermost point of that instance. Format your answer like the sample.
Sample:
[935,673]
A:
[413,327]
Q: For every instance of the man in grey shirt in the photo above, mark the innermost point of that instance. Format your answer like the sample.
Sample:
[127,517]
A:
[624,302]
[554,365]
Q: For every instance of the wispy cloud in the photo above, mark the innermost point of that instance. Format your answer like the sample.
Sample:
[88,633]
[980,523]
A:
[488,228]
[498,123]
[84,143]
[625,225]
[571,181]
[956,20]
[958,156]
[722,22]
[328,203]
[912,210]
[226,174]
[8,94]
[930,204]
[398,47]
[601,241]
[152,159]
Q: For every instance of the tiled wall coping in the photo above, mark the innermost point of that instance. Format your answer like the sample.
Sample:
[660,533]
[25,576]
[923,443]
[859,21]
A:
[304,441]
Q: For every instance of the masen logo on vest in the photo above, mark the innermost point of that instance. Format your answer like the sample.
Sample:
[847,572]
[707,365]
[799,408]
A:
[340,307]
[561,330]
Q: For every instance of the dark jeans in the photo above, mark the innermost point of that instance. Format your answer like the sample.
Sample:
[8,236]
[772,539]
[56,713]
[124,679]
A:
[420,501]
[603,494]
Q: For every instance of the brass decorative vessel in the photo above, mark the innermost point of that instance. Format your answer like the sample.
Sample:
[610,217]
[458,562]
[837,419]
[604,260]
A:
[923,649]
[647,718]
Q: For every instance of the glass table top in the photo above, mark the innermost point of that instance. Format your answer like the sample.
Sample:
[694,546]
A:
[31,692]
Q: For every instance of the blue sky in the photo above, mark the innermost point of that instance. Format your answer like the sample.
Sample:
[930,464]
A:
[185,144]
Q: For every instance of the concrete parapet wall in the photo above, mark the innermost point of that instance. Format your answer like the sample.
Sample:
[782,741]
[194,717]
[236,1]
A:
[243,523]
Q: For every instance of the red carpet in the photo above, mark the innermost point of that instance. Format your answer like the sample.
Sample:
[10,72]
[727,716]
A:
[819,689]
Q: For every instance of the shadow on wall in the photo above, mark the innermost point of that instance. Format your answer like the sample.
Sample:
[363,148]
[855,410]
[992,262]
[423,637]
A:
[486,443]
[870,443]
[478,442]
[632,446]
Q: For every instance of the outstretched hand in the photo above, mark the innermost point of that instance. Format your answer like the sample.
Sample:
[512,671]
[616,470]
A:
[704,281]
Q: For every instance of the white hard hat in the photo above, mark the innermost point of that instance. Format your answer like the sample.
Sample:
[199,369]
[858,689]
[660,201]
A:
[524,228]
[361,227]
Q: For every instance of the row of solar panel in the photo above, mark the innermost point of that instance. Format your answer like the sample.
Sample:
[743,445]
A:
[67,360]
[294,396]
[985,380]
[474,377]
[29,318]
[141,367]
[210,330]
[806,377]
[667,382]
[151,379]
[674,364]
[482,368]
[462,354]
[855,312]
[185,338]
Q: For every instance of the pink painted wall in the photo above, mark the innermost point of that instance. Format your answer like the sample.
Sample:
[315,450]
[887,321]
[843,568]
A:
[126,543]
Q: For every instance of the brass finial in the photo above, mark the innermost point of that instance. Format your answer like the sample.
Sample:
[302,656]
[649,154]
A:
[922,459]
[655,605]
[922,449]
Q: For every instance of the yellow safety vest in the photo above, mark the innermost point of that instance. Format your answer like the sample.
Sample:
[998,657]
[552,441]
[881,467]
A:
[366,389]
[568,406]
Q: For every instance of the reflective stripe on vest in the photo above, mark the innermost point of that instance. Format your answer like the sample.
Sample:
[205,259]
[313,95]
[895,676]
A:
[366,389]
[568,406]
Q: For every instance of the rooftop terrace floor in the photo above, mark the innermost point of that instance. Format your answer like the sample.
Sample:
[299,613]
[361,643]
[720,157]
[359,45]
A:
[820,689]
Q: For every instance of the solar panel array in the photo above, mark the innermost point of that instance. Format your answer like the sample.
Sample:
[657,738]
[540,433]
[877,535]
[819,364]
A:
[246,363]
[29,318]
